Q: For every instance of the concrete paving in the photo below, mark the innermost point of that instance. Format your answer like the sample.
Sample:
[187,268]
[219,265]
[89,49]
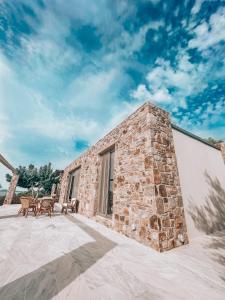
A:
[72,257]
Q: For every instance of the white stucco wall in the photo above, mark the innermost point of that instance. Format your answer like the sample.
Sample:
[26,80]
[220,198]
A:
[203,197]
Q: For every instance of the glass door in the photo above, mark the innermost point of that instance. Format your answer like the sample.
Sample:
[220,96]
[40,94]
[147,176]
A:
[105,206]
[74,184]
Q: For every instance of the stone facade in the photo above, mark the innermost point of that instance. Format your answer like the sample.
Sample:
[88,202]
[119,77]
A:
[11,189]
[147,201]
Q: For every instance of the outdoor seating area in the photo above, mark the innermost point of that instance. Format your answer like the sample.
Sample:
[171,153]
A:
[45,205]
[36,206]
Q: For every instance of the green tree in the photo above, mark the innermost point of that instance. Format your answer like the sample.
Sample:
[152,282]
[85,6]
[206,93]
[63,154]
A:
[40,178]
[28,177]
[212,141]
[47,177]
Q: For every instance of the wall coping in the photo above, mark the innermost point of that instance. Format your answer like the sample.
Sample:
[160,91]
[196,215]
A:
[194,136]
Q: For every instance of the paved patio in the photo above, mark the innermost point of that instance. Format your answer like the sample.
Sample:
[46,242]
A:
[72,257]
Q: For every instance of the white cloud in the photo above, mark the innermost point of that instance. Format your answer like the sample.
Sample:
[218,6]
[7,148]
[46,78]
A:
[171,85]
[160,95]
[3,172]
[202,120]
[62,128]
[155,1]
[197,6]
[141,93]
[55,57]
[5,132]
[92,89]
[30,110]
[209,34]
[125,44]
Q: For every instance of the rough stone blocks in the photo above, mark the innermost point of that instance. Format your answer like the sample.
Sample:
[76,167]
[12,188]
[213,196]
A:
[11,189]
[147,200]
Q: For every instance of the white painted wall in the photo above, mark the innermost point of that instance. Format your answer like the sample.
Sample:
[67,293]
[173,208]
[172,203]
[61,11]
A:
[194,159]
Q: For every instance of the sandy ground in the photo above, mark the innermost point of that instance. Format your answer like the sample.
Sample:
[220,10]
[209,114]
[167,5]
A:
[72,257]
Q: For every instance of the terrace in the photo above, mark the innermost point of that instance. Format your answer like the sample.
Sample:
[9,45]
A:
[71,256]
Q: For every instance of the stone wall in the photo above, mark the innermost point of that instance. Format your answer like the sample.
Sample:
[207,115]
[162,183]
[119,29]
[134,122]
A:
[11,189]
[147,203]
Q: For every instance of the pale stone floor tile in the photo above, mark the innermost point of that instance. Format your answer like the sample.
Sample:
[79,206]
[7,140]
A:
[73,257]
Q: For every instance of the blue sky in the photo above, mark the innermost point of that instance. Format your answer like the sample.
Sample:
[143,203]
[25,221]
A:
[71,70]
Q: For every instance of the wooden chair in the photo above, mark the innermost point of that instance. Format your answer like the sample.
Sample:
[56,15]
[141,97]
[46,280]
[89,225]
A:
[27,205]
[46,206]
[73,205]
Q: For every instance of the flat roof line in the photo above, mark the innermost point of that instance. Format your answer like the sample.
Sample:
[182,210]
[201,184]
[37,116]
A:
[193,136]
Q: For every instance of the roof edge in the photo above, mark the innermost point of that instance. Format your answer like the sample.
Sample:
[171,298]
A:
[193,136]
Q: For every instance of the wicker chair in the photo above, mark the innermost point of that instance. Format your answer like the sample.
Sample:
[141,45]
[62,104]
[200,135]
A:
[28,204]
[46,207]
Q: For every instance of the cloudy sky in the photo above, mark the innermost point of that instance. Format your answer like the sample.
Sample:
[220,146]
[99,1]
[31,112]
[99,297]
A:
[71,70]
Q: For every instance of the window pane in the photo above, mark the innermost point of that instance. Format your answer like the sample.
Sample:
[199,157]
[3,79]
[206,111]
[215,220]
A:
[74,184]
[71,187]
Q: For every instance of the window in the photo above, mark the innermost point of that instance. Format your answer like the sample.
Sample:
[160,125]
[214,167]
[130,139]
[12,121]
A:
[74,184]
[105,206]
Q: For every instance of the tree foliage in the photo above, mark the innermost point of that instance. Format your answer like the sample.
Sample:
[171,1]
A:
[47,177]
[213,141]
[32,177]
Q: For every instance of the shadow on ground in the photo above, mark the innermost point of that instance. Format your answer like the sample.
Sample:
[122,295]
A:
[8,217]
[217,244]
[210,217]
[29,215]
[47,281]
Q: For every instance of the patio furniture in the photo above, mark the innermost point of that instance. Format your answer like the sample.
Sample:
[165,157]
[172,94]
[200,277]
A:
[28,204]
[73,205]
[46,206]
[50,198]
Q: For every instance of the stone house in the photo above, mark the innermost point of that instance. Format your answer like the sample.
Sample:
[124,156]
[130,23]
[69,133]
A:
[146,179]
